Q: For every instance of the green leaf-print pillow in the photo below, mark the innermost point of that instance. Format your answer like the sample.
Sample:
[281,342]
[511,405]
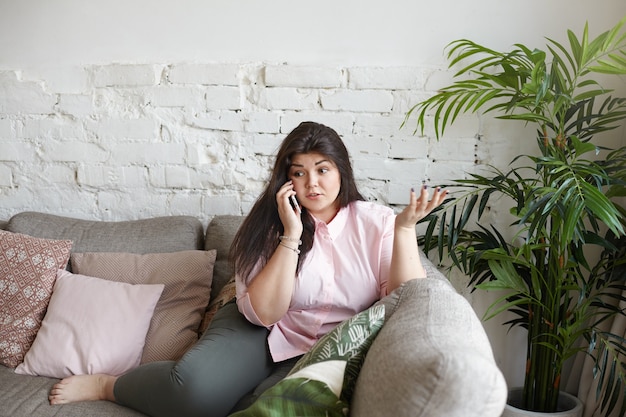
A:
[322,381]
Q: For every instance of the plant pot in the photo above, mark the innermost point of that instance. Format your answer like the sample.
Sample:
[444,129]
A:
[568,406]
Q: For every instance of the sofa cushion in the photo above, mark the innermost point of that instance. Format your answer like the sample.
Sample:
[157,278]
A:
[322,381]
[187,277]
[219,236]
[159,234]
[92,326]
[432,358]
[28,268]
[27,396]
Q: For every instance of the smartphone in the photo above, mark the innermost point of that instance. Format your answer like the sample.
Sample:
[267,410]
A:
[294,204]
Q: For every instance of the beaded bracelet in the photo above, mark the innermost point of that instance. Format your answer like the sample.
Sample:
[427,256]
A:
[297,251]
[291,239]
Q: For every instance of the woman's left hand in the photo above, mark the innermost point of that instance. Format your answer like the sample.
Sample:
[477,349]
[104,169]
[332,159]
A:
[420,207]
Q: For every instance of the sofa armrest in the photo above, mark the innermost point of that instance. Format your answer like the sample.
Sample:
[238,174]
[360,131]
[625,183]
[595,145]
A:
[432,358]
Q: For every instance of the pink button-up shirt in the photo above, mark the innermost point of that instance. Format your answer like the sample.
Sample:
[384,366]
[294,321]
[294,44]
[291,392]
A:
[345,272]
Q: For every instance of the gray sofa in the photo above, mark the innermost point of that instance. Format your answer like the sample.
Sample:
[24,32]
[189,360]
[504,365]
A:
[432,357]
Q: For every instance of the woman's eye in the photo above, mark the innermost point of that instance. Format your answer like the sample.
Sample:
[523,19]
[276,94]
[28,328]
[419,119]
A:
[323,170]
[298,174]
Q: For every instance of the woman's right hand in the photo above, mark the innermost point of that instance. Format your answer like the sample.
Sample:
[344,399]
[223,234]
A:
[289,216]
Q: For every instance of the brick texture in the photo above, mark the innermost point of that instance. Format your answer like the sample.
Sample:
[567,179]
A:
[122,141]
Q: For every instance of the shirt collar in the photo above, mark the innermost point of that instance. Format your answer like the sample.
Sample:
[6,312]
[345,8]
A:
[337,224]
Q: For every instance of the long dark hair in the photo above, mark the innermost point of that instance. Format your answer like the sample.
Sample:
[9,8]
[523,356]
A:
[259,233]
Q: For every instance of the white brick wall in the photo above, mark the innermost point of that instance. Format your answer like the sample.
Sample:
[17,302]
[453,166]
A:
[125,141]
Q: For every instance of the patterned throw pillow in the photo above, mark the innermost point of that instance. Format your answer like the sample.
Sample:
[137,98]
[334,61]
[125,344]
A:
[322,382]
[28,270]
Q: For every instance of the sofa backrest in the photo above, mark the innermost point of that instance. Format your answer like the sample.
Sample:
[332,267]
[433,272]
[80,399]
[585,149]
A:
[219,235]
[154,235]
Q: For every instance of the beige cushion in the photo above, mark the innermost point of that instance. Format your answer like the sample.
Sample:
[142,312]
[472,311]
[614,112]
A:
[28,270]
[187,277]
[432,358]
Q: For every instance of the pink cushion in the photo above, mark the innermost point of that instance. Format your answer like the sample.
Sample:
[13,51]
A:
[92,326]
[28,268]
[187,276]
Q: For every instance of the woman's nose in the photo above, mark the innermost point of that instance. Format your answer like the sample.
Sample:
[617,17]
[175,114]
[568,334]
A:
[311,181]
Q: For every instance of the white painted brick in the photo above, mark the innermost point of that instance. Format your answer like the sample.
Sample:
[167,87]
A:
[393,78]
[386,169]
[218,120]
[53,128]
[411,147]
[399,191]
[120,129]
[78,105]
[212,177]
[182,203]
[255,171]
[6,129]
[444,172]
[73,152]
[17,151]
[17,198]
[283,98]
[405,100]
[22,97]
[220,205]
[379,125]
[262,122]
[57,175]
[303,77]
[170,96]
[223,98]
[342,122]
[377,101]
[264,144]
[126,75]
[359,145]
[159,153]
[153,145]
[438,78]
[210,151]
[206,74]
[178,176]
[122,103]
[233,180]
[63,80]
[111,177]
[6,176]
[454,149]
[142,205]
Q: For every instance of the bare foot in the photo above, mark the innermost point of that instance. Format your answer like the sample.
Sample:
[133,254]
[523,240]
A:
[83,388]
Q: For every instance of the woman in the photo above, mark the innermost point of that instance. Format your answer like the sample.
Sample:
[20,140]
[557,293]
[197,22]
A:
[310,254]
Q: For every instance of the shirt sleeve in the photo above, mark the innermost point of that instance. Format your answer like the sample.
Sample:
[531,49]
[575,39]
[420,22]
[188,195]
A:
[243,298]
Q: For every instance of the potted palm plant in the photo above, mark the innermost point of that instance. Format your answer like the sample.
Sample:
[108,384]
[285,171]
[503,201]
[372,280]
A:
[563,199]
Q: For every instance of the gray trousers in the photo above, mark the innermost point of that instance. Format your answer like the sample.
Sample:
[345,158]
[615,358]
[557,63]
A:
[223,372]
